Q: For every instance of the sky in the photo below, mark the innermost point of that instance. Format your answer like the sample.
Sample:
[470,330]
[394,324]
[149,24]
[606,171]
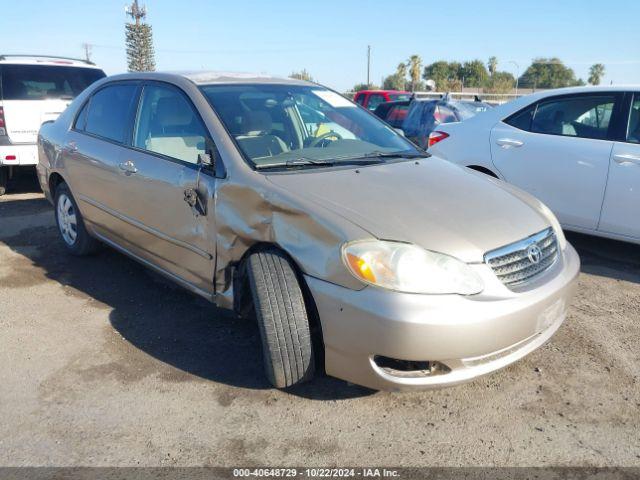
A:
[329,38]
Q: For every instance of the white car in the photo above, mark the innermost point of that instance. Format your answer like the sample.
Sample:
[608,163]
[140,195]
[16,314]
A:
[34,90]
[576,149]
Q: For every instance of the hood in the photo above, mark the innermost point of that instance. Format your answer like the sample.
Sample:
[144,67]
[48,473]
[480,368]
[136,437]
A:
[435,204]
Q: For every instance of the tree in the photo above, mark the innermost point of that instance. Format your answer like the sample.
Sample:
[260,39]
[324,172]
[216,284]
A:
[500,82]
[363,86]
[445,74]
[302,75]
[548,73]
[474,73]
[492,65]
[596,72]
[139,41]
[398,80]
[414,64]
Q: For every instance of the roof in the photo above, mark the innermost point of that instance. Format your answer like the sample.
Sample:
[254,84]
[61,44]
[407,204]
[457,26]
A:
[209,77]
[383,91]
[46,60]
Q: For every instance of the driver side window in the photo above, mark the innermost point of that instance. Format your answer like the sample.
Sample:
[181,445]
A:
[168,124]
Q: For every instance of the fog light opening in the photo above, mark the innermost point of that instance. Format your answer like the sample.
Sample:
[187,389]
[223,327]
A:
[410,368]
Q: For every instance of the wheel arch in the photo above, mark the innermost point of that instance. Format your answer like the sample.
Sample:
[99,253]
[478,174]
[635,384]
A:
[484,170]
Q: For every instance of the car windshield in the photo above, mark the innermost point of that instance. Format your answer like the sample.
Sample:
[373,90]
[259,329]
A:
[38,82]
[471,109]
[293,125]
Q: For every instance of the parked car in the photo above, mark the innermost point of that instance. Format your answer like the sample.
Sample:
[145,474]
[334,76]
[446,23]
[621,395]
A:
[576,149]
[33,90]
[424,116]
[355,255]
[370,99]
[393,113]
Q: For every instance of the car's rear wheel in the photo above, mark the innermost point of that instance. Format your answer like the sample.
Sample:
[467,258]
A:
[282,318]
[70,223]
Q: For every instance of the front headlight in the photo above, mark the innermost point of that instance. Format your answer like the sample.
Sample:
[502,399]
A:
[407,268]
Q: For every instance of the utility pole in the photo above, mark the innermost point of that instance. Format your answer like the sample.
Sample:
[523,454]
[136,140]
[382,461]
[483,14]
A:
[517,74]
[87,51]
[368,64]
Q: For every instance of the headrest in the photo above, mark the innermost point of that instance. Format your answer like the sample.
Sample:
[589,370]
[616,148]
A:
[258,122]
[173,111]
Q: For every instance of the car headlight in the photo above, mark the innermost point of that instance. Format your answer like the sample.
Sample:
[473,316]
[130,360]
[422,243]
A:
[404,267]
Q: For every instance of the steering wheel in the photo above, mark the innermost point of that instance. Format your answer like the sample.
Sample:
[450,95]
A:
[316,141]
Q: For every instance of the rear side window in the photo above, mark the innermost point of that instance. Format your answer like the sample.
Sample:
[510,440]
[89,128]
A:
[633,129]
[109,111]
[40,82]
[586,116]
[522,119]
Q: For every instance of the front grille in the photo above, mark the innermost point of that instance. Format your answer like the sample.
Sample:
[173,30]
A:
[517,263]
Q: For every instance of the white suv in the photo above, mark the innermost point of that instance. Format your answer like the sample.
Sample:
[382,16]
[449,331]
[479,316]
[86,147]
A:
[33,90]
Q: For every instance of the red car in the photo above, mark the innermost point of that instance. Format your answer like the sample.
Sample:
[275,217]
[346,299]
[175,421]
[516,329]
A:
[370,99]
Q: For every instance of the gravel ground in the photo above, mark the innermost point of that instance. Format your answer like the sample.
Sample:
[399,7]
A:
[103,363]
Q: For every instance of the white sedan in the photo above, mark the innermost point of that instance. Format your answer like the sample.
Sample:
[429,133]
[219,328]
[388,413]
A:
[576,149]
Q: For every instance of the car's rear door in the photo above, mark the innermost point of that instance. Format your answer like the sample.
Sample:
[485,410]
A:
[621,207]
[558,149]
[92,153]
[168,211]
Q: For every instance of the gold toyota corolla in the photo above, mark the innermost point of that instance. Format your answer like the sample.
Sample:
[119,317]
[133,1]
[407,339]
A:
[281,198]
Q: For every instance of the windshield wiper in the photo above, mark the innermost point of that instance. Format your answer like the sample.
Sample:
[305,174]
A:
[379,154]
[296,162]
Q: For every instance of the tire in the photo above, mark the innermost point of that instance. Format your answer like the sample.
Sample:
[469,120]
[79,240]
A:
[282,318]
[71,225]
[4,178]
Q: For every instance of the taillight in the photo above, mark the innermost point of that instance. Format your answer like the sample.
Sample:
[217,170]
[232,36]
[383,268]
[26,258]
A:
[3,126]
[436,136]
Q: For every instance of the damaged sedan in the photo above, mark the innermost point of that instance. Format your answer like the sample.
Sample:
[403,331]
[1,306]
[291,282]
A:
[357,253]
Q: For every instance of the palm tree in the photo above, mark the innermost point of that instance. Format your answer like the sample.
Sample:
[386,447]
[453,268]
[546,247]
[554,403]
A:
[492,64]
[401,76]
[596,72]
[415,69]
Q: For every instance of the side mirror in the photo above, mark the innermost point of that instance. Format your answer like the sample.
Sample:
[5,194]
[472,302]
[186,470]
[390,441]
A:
[205,160]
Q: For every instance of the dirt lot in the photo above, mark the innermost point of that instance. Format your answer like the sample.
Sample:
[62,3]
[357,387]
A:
[103,363]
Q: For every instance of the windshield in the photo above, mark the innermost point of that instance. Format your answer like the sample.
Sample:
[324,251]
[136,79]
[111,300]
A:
[39,82]
[292,124]
[471,109]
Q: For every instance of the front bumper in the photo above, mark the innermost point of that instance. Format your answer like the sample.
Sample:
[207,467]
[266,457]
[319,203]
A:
[471,336]
[18,155]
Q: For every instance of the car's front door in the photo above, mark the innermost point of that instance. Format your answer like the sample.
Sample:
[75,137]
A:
[169,198]
[558,150]
[621,207]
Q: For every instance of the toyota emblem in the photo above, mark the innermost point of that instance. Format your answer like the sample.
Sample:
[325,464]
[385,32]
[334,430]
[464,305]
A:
[534,254]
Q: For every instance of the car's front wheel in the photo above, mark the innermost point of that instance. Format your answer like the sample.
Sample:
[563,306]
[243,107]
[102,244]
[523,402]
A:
[282,317]
[71,225]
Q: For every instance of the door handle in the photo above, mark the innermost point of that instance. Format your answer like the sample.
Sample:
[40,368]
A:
[71,147]
[509,142]
[626,158]
[128,167]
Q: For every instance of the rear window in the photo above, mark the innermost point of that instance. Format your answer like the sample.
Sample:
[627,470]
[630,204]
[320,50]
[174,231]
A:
[39,82]
[470,109]
[399,96]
